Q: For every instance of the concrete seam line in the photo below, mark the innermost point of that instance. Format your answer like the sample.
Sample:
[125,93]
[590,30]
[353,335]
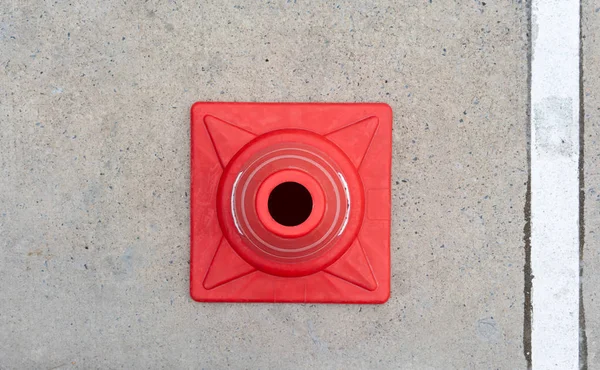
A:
[555,184]
[527,277]
[583,348]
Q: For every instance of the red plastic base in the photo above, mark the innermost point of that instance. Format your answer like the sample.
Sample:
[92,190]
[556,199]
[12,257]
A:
[339,153]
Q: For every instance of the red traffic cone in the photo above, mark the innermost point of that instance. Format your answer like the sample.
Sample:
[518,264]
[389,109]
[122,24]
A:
[290,202]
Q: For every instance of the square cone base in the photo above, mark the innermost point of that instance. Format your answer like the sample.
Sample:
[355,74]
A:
[290,202]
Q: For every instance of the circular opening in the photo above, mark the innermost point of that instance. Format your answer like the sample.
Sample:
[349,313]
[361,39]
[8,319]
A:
[290,204]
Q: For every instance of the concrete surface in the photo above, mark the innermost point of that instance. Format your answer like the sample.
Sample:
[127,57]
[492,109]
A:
[94,130]
[590,15]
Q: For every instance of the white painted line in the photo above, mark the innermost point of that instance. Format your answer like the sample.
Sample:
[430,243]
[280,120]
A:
[554,184]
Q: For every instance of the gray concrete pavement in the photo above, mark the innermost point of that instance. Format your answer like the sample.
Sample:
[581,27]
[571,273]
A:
[94,131]
[591,169]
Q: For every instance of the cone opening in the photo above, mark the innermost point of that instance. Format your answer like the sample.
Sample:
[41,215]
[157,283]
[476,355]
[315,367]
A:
[290,203]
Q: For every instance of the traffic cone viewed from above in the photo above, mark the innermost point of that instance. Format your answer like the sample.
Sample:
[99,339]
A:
[290,202]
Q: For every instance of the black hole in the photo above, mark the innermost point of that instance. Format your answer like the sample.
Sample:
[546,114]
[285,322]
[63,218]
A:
[290,204]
